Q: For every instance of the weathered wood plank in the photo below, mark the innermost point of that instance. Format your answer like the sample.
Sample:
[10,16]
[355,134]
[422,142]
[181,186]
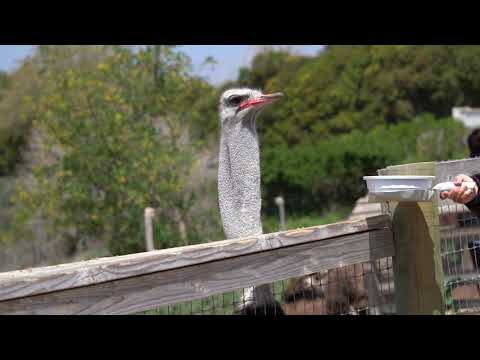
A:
[54,278]
[446,170]
[140,293]
[421,169]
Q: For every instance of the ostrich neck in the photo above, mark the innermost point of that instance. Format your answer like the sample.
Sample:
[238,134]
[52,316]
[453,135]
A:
[239,180]
[239,192]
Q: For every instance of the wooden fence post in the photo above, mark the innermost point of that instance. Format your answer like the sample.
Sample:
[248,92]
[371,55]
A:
[149,213]
[280,202]
[418,271]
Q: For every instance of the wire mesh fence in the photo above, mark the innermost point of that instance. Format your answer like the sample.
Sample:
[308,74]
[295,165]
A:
[361,289]
[460,249]
[460,246]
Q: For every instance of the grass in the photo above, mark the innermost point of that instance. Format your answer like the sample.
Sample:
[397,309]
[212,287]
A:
[296,221]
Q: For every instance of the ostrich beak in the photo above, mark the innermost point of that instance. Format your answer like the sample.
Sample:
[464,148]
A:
[264,99]
[274,96]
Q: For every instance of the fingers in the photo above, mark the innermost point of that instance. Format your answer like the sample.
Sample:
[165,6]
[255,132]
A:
[464,195]
[457,194]
[454,195]
[467,197]
[459,179]
[461,194]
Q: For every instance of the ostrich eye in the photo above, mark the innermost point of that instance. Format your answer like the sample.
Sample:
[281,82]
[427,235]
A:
[235,100]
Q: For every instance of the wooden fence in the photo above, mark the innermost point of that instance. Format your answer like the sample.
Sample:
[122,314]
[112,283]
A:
[409,232]
[139,282]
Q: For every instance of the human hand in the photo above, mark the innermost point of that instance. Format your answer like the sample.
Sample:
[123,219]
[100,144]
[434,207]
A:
[461,194]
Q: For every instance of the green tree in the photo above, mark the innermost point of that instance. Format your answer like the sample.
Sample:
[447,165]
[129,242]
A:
[357,87]
[318,177]
[115,142]
[4,82]
[19,91]
[265,65]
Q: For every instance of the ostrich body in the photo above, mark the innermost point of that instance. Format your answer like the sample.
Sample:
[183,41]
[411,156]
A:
[239,181]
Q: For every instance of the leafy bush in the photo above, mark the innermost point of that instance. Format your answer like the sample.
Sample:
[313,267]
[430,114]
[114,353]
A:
[317,176]
[357,87]
[115,141]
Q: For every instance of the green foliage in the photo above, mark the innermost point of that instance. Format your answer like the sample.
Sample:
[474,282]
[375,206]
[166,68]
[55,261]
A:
[18,92]
[296,221]
[316,177]
[265,66]
[357,87]
[203,113]
[4,82]
[115,129]
[122,127]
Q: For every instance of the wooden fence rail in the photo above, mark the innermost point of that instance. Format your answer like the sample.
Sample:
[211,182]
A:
[139,282]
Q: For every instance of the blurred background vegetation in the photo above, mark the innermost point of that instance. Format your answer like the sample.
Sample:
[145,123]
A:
[92,135]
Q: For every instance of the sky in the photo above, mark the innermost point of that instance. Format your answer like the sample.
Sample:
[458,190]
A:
[229,58]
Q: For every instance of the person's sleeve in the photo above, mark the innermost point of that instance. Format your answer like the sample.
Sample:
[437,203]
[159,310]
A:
[474,205]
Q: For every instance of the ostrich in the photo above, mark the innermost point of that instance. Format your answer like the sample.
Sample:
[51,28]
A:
[239,181]
[330,292]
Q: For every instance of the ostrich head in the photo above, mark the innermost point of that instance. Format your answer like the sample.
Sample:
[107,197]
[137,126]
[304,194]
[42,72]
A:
[238,106]
[239,161]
